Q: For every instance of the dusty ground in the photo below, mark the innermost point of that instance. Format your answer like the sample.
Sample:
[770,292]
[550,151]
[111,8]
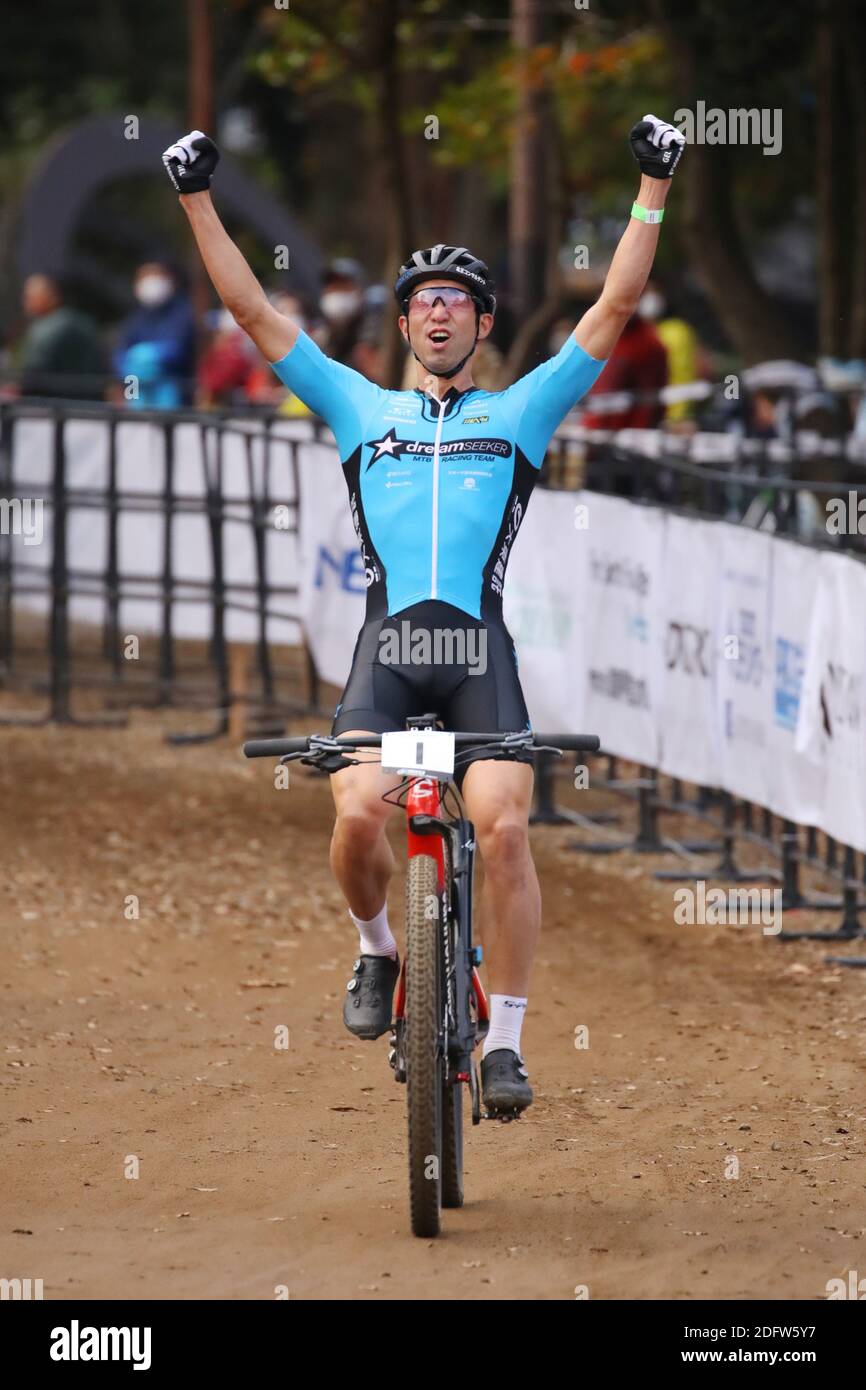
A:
[259,1167]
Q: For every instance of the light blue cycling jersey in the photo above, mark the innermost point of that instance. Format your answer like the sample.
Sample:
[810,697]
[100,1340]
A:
[438,489]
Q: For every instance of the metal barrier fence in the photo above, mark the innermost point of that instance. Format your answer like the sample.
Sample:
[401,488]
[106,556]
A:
[167,680]
[663,474]
[792,847]
[676,471]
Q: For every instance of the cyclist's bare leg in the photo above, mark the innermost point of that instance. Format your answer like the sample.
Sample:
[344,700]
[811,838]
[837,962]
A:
[498,798]
[362,861]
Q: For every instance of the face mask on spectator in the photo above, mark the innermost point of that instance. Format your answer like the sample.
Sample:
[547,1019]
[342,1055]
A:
[152,290]
[651,305]
[339,305]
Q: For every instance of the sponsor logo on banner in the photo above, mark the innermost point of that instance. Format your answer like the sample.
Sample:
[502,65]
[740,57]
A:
[346,565]
[747,669]
[621,685]
[686,649]
[749,664]
[841,699]
[619,573]
[790,666]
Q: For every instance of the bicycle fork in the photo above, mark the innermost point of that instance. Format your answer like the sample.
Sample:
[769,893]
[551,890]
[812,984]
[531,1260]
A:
[467,1016]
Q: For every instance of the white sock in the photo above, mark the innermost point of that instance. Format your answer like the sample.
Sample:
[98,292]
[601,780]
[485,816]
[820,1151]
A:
[506,1021]
[376,938]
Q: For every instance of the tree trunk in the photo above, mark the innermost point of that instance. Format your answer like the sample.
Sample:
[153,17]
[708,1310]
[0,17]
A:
[534,326]
[850,228]
[527,201]
[391,154]
[750,317]
[833,213]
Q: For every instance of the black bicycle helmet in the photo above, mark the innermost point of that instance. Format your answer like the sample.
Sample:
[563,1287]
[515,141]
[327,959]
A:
[447,263]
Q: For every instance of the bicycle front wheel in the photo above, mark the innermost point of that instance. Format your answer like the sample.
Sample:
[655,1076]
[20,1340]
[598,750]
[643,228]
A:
[425,1066]
[452,1143]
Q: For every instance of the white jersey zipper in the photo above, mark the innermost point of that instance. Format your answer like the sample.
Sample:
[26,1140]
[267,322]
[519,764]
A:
[434,567]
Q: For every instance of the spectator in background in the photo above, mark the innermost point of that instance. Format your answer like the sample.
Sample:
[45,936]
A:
[764,408]
[61,354]
[820,422]
[680,343]
[848,379]
[760,418]
[350,330]
[156,344]
[262,385]
[227,366]
[638,363]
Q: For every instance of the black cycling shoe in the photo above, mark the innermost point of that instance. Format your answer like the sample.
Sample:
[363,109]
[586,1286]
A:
[367,1006]
[504,1087]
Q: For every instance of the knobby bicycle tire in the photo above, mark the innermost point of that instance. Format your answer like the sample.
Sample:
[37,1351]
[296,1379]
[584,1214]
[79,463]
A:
[452,1102]
[452,1144]
[425,1070]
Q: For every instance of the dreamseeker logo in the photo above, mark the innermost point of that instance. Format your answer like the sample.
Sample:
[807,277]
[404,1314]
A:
[389,446]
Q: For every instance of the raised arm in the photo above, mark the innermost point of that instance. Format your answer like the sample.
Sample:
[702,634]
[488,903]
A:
[657,147]
[190,165]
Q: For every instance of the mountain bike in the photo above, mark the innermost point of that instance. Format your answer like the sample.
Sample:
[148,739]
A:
[440,1009]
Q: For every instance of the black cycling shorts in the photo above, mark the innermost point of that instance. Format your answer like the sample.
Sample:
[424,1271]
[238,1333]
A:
[433,657]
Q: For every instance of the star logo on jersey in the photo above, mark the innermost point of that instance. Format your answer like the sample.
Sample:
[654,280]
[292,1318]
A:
[389,446]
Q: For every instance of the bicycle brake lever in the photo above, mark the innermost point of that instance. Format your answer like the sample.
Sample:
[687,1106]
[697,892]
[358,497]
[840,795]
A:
[328,754]
[330,762]
[325,743]
[547,748]
[521,740]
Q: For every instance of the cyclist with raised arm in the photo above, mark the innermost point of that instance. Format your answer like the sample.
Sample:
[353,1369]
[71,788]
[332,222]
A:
[439,479]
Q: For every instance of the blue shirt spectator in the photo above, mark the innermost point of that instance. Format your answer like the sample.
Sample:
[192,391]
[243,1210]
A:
[156,343]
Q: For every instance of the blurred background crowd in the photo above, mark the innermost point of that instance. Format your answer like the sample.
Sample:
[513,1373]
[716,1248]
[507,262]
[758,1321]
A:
[371,130]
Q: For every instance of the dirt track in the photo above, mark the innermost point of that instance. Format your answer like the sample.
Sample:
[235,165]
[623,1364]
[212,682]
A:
[261,1167]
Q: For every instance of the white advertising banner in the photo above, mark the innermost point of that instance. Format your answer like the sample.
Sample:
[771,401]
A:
[686,707]
[333,586]
[797,782]
[621,583]
[141,481]
[721,655]
[31,535]
[831,727]
[743,670]
[543,606]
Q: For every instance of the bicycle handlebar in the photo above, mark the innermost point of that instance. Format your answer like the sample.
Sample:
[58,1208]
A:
[276,747]
[279,747]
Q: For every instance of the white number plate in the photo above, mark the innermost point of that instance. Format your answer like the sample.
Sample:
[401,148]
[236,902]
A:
[419,751]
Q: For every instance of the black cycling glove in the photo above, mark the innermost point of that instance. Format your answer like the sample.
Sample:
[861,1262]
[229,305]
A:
[191,162]
[657,146]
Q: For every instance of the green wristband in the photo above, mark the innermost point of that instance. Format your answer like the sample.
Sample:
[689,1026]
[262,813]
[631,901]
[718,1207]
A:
[647,214]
